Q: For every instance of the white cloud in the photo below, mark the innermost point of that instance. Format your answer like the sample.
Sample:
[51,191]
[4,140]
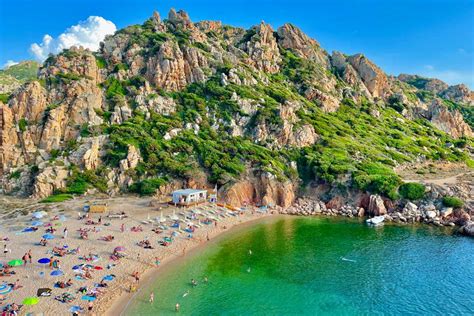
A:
[88,34]
[9,63]
[429,67]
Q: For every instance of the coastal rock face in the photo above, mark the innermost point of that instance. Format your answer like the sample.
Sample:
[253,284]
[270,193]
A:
[262,49]
[291,37]
[372,76]
[468,229]
[376,206]
[458,93]
[89,154]
[449,122]
[77,61]
[173,68]
[260,190]
[48,180]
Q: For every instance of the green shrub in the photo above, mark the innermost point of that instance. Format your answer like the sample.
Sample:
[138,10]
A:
[15,174]
[148,186]
[22,124]
[412,191]
[56,198]
[451,201]
[4,97]
[101,62]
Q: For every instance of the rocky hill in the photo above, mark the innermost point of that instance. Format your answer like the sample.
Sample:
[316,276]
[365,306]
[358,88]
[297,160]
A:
[14,76]
[265,114]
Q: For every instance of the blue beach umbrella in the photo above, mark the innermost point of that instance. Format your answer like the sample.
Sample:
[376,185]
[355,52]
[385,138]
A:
[48,236]
[75,308]
[57,273]
[108,278]
[88,298]
[44,260]
[5,289]
[37,223]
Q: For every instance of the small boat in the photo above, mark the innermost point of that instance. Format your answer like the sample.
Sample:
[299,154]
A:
[376,221]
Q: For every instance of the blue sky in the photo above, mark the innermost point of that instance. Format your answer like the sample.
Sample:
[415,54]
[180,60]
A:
[432,38]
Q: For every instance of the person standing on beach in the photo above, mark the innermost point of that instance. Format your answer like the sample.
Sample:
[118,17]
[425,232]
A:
[65,233]
[30,257]
[122,227]
[5,250]
[152,297]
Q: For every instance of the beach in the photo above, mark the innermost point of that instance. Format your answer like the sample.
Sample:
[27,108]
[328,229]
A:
[92,256]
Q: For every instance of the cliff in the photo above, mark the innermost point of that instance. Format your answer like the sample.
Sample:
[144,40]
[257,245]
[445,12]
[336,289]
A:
[261,112]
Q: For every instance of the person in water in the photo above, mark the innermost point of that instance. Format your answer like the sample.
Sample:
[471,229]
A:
[176,307]
[193,282]
[205,279]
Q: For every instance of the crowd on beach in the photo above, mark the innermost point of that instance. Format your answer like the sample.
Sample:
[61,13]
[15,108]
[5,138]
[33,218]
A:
[65,268]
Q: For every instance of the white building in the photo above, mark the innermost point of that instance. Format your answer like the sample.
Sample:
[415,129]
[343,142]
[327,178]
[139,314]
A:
[189,196]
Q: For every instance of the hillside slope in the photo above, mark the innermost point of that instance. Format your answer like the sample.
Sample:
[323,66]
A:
[14,76]
[262,113]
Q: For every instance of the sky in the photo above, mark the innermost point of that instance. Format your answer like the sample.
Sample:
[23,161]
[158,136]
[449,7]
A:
[430,38]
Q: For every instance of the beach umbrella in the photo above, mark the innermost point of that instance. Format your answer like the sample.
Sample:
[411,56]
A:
[119,249]
[75,308]
[44,260]
[48,236]
[56,273]
[79,266]
[15,263]
[30,301]
[37,223]
[5,289]
[108,278]
[88,298]
[39,214]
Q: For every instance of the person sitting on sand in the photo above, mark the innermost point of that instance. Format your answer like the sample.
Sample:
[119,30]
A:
[84,235]
[107,238]
[16,285]
[88,274]
[43,242]
[102,283]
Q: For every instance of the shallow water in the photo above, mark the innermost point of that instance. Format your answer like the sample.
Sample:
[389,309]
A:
[320,266]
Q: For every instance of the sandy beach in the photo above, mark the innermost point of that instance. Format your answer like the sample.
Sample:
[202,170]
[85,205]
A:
[117,274]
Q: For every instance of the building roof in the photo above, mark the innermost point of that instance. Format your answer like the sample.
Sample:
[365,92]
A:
[188,191]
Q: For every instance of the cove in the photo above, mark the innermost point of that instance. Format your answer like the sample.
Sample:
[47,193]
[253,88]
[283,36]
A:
[320,266]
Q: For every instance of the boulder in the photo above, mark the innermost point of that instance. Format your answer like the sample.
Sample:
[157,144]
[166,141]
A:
[376,206]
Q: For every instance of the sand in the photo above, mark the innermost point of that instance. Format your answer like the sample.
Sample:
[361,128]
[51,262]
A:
[116,295]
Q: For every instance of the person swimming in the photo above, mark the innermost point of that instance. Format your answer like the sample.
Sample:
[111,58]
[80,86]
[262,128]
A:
[193,282]
[248,270]
[250,251]
[186,293]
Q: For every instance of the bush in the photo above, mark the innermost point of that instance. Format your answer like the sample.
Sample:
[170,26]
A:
[451,201]
[22,124]
[4,97]
[412,191]
[57,198]
[148,186]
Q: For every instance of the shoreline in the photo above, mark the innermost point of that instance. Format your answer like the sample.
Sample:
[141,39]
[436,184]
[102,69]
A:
[116,297]
[121,302]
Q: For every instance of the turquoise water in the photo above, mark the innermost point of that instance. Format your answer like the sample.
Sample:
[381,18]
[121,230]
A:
[319,266]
